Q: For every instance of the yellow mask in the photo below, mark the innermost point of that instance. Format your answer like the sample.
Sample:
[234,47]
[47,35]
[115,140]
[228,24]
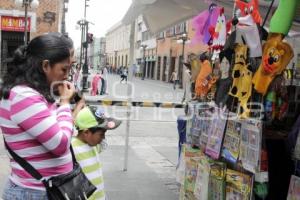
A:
[241,86]
[276,56]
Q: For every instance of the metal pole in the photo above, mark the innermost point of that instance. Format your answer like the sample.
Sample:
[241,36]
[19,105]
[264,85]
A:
[26,4]
[129,91]
[144,62]
[85,65]
[81,46]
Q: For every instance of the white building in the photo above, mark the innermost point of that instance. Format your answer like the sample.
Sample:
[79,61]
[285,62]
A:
[117,45]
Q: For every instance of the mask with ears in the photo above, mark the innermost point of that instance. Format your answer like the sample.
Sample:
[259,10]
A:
[276,56]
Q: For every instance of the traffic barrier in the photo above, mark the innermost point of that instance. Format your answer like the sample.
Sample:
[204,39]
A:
[107,102]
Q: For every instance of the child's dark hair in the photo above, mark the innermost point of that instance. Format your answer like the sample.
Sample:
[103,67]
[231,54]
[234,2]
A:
[94,130]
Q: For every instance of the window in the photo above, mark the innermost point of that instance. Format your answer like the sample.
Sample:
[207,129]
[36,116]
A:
[146,35]
[160,35]
[180,28]
[170,32]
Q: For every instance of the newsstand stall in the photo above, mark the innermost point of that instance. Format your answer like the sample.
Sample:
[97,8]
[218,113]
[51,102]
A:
[241,126]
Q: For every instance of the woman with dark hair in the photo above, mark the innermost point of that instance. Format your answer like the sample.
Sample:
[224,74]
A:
[33,125]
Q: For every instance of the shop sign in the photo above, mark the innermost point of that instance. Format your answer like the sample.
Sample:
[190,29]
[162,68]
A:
[10,23]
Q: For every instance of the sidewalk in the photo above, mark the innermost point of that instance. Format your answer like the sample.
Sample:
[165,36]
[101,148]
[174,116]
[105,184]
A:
[139,182]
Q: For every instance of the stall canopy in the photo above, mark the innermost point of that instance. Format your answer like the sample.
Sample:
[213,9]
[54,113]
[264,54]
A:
[162,14]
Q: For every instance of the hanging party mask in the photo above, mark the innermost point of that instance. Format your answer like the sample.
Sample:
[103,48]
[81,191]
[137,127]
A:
[276,56]
[250,8]
[241,86]
[219,35]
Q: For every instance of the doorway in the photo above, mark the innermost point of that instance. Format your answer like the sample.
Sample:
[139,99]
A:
[10,41]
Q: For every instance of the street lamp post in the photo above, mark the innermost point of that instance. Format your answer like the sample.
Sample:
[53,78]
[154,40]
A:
[26,3]
[144,46]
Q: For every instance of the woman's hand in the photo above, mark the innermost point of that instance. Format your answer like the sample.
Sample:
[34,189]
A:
[66,92]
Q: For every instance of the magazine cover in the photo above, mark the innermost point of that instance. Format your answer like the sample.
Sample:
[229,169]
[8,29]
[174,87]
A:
[206,117]
[216,190]
[202,179]
[250,145]
[192,157]
[294,189]
[216,133]
[231,144]
[238,185]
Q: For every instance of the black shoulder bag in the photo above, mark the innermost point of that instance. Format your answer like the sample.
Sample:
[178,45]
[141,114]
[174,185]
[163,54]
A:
[70,186]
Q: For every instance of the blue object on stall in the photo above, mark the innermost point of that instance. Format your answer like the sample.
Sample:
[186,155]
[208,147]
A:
[181,127]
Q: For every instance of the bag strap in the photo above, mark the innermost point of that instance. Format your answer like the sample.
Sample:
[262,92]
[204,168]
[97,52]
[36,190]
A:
[28,167]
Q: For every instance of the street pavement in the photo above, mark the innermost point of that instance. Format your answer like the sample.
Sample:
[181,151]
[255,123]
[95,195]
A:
[153,141]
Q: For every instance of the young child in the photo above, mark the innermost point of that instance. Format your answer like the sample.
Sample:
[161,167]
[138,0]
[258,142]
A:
[92,125]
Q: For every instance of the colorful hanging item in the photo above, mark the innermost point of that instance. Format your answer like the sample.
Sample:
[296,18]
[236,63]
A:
[219,35]
[282,19]
[276,56]
[205,80]
[216,133]
[231,145]
[241,86]
[250,145]
[247,26]
[202,23]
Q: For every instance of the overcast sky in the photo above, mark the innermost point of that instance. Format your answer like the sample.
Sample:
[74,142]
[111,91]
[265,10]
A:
[103,13]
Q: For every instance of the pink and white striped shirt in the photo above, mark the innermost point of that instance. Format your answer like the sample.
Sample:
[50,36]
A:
[37,131]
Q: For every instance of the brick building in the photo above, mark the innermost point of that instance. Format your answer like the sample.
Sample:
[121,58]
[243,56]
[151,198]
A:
[47,17]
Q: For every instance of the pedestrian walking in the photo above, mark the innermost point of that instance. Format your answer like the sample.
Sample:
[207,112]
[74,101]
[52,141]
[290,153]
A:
[104,82]
[92,125]
[174,79]
[124,74]
[33,125]
[187,95]
[95,84]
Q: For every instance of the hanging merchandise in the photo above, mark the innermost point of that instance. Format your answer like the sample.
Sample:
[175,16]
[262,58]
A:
[282,19]
[241,86]
[294,188]
[216,190]
[225,80]
[238,185]
[250,145]
[205,125]
[203,22]
[219,35]
[276,56]
[247,28]
[216,133]
[231,145]
[276,102]
[205,79]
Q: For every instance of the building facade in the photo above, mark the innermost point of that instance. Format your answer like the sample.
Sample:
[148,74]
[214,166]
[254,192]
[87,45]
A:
[97,56]
[144,50]
[117,45]
[47,17]
[171,50]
